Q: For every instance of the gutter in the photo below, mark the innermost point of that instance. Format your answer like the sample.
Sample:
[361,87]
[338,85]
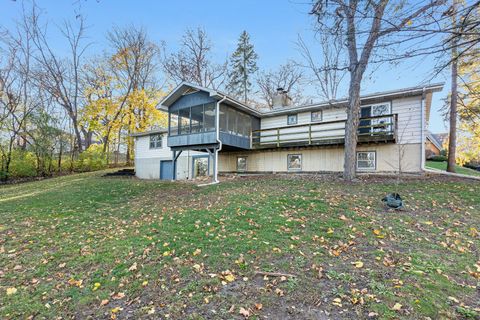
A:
[217,124]
[422,132]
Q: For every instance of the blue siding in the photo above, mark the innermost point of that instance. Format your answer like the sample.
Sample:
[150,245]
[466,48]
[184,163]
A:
[190,100]
[192,139]
[234,140]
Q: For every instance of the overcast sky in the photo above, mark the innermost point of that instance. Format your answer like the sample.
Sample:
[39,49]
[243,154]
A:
[273,25]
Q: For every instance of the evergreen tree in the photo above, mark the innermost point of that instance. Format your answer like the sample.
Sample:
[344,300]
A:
[243,65]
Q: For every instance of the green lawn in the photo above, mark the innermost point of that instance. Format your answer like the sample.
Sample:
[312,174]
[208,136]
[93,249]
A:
[443,166]
[86,246]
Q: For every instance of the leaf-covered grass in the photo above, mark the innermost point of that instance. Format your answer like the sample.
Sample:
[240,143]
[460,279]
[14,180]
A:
[87,246]
[443,166]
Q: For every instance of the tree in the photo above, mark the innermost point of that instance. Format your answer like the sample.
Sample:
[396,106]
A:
[288,76]
[324,73]
[243,66]
[193,62]
[452,140]
[121,89]
[17,91]
[61,76]
[367,27]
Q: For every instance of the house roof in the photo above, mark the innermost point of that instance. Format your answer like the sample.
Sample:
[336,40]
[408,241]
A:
[185,86]
[147,133]
[434,140]
[338,103]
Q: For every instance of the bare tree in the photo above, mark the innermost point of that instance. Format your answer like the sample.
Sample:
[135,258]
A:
[193,62]
[16,87]
[288,76]
[368,27]
[61,76]
[327,73]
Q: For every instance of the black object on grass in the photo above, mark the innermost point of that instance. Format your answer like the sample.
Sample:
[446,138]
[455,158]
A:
[393,200]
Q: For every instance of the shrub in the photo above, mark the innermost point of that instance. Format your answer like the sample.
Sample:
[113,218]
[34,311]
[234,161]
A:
[438,158]
[91,159]
[23,164]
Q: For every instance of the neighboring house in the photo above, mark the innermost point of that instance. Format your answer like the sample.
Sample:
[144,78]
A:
[239,139]
[433,145]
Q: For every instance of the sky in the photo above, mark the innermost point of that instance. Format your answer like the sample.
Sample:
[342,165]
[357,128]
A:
[274,26]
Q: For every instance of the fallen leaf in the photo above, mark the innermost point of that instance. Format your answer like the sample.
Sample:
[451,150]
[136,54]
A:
[244,312]
[230,277]
[11,291]
[358,264]
[104,302]
[133,267]
[397,306]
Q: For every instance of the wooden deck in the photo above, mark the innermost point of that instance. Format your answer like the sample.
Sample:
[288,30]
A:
[379,129]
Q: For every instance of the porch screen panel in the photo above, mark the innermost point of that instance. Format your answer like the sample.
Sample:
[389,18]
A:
[173,123]
[184,121]
[197,119]
[209,117]
[223,118]
[232,121]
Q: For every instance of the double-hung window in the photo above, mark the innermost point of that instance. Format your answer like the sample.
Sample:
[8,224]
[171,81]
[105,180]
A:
[155,141]
[366,160]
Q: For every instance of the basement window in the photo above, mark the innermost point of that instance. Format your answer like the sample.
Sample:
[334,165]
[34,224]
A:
[366,160]
[156,141]
[294,162]
[242,164]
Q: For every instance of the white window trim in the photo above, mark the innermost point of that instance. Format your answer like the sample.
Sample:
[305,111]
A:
[288,162]
[374,161]
[246,164]
[321,116]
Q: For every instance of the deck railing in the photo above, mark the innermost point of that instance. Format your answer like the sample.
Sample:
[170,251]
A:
[371,129]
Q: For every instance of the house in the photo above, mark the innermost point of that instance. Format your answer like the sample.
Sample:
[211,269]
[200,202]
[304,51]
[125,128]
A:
[434,144]
[212,133]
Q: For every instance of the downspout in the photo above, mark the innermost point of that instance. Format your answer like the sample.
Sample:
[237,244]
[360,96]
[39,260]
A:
[220,145]
[422,133]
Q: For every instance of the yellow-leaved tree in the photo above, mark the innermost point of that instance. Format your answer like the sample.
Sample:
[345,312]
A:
[468,145]
[122,93]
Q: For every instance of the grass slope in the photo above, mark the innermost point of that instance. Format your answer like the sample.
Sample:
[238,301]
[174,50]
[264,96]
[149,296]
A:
[443,166]
[85,246]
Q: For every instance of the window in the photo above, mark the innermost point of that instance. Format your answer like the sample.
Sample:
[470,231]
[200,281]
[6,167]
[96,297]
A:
[242,164]
[292,119]
[366,160]
[294,162]
[155,141]
[316,116]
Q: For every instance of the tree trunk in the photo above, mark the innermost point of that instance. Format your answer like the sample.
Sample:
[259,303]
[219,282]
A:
[452,140]
[77,134]
[351,133]
[59,164]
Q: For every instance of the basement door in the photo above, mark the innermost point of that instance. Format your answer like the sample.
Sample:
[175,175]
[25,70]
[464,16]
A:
[166,167]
